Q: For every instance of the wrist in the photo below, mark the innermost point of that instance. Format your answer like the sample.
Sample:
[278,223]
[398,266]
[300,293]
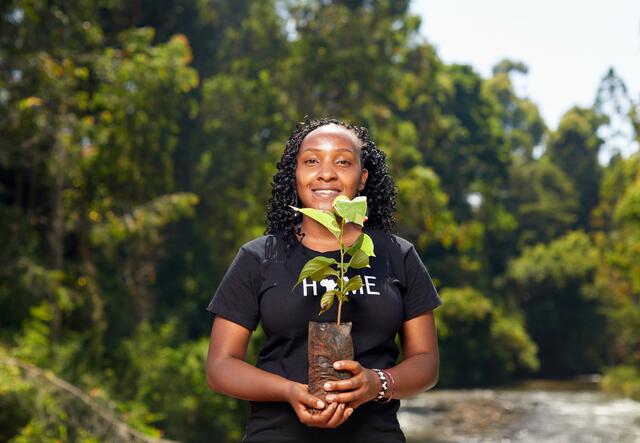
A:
[385,386]
[288,389]
[392,386]
[377,384]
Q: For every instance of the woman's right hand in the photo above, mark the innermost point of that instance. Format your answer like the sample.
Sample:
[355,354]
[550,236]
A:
[332,415]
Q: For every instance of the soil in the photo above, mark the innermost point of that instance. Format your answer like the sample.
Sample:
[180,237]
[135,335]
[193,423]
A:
[328,343]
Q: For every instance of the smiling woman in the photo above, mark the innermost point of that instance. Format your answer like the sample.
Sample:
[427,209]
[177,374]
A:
[328,165]
[323,159]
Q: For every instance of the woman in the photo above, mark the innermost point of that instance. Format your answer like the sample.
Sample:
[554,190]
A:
[323,159]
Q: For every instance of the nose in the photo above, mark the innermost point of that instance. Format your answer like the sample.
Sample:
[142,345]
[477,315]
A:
[327,172]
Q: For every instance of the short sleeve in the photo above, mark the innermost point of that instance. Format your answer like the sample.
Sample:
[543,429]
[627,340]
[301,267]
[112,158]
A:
[236,298]
[421,294]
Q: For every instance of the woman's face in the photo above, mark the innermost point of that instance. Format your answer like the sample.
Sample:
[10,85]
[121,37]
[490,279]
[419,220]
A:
[328,164]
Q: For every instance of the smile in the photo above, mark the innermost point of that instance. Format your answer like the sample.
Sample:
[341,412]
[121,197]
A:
[326,192]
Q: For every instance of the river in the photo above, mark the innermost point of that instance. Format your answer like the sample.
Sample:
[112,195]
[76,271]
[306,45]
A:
[535,411]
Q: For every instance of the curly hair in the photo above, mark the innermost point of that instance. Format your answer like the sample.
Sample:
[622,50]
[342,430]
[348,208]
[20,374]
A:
[379,187]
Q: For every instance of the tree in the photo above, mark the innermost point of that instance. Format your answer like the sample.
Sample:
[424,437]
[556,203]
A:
[480,343]
[618,109]
[574,148]
[523,125]
[543,201]
[553,285]
[618,276]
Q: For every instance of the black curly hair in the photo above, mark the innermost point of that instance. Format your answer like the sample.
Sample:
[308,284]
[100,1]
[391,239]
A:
[379,187]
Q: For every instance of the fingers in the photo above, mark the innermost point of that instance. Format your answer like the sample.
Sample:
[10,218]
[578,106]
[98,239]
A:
[327,414]
[344,385]
[338,417]
[348,365]
[309,418]
[358,389]
[311,401]
[341,413]
[332,416]
[352,396]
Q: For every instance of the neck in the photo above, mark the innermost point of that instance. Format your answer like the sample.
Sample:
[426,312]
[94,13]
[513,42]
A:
[317,234]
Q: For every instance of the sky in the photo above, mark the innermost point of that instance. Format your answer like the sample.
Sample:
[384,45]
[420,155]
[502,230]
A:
[568,45]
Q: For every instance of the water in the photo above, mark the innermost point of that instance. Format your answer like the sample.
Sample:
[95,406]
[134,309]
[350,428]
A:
[549,412]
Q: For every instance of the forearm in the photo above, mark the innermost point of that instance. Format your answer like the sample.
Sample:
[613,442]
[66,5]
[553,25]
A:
[237,378]
[415,374]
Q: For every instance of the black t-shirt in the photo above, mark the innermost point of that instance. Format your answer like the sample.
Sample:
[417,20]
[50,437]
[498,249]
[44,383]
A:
[257,288]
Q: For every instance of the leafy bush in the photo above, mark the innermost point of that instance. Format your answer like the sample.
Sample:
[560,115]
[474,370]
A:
[480,343]
[623,380]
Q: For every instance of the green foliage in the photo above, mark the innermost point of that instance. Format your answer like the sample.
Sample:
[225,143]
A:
[143,222]
[618,276]
[570,257]
[325,218]
[47,408]
[521,119]
[543,201]
[427,219]
[363,244]
[164,385]
[574,148]
[351,211]
[319,268]
[138,141]
[553,285]
[623,380]
[618,176]
[480,343]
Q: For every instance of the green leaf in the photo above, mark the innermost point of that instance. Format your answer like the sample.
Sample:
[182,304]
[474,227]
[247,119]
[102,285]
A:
[354,211]
[323,273]
[327,301]
[314,265]
[364,243]
[359,260]
[353,284]
[325,218]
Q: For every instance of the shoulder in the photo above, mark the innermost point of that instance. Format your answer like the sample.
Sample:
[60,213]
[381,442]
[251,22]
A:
[266,247]
[393,242]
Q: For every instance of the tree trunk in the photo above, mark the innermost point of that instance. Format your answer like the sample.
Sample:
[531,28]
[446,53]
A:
[56,232]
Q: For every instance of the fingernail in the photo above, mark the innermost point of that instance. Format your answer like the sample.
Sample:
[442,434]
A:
[320,404]
[349,411]
[337,365]
[327,386]
[330,398]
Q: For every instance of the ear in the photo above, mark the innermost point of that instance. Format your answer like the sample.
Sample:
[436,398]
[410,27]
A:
[363,179]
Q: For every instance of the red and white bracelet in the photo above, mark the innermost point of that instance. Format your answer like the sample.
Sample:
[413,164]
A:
[385,380]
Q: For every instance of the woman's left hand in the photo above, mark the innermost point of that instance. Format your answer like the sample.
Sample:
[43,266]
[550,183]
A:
[361,388]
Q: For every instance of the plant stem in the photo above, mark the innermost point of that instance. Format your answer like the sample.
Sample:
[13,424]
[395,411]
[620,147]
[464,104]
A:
[341,271]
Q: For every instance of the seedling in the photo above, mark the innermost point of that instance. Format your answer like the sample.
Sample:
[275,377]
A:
[320,268]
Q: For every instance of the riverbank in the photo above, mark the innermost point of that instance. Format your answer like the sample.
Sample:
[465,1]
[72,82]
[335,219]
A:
[534,411]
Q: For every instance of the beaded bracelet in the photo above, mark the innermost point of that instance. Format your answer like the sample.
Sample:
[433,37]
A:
[393,385]
[385,377]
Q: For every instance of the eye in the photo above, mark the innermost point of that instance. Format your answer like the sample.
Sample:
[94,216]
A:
[344,162]
[310,160]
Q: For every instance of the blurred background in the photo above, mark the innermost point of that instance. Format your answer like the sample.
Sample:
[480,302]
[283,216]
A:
[137,144]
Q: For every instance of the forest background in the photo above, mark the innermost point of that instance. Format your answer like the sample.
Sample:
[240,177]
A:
[138,141]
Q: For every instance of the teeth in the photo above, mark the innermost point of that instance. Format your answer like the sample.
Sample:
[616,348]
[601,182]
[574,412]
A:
[325,192]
